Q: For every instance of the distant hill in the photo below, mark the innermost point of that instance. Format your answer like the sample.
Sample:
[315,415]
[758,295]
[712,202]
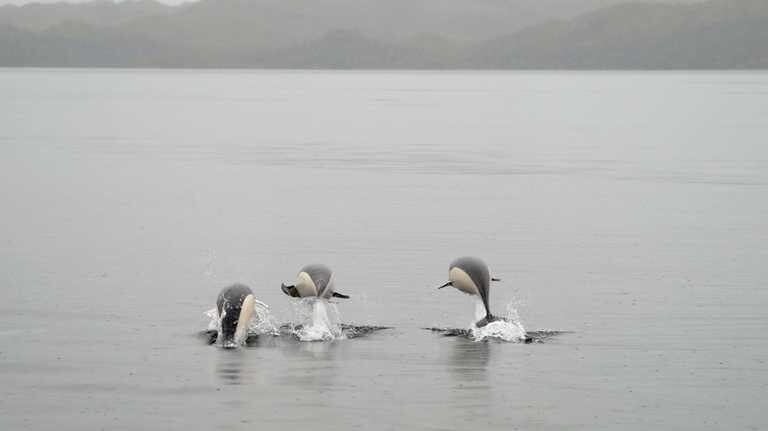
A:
[283,21]
[730,34]
[360,34]
[257,33]
[37,16]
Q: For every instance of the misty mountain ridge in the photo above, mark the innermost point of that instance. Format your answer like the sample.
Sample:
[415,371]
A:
[366,34]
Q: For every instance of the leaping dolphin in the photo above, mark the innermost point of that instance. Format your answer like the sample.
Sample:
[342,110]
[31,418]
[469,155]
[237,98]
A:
[235,307]
[313,280]
[471,276]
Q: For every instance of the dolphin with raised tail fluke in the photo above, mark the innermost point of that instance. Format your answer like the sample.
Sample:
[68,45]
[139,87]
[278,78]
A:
[471,276]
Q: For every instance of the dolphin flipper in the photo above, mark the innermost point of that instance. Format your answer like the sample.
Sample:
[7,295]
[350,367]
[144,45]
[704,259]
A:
[339,295]
[209,336]
[290,290]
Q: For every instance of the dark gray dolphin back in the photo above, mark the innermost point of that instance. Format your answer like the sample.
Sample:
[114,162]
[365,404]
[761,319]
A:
[229,303]
[478,272]
[232,297]
[320,275]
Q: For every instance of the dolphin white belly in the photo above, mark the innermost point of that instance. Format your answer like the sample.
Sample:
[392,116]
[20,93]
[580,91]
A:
[462,281]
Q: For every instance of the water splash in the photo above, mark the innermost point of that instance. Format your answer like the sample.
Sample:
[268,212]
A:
[507,328]
[262,323]
[215,323]
[319,320]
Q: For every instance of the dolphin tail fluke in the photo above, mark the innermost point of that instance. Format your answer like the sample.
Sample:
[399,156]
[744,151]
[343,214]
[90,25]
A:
[486,320]
[340,295]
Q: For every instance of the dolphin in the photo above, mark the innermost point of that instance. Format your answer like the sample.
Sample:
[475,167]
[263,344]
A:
[235,307]
[313,281]
[471,276]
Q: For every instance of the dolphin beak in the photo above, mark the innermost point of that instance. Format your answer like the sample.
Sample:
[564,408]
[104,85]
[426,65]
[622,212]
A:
[446,285]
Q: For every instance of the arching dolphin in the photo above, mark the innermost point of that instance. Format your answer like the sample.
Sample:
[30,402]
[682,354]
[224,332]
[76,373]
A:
[313,280]
[471,276]
[235,306]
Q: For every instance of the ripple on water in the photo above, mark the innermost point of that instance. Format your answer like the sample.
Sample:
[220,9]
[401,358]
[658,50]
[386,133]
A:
[316,320]
[320,320]
[508,328]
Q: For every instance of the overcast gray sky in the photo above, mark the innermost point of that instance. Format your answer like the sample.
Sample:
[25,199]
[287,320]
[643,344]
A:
[20,2]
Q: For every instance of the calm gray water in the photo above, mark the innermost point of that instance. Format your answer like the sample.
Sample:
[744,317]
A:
[628,208]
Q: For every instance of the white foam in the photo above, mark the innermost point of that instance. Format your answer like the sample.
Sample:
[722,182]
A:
[319,320]
[262,323]
[509,329]
[215,323]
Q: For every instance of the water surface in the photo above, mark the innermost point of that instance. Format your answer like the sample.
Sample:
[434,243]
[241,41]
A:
[627,208]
